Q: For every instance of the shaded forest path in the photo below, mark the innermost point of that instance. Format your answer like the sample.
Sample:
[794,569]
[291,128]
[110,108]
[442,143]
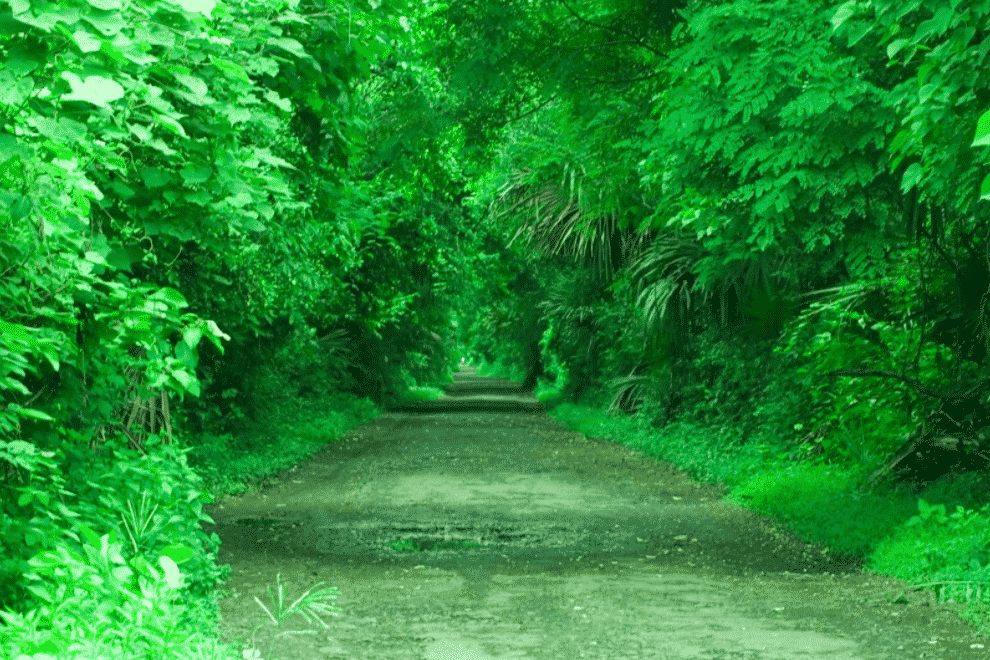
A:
[478,528]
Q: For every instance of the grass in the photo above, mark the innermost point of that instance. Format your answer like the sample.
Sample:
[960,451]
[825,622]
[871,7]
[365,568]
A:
[940,540]
[291,434]
[312,605]
[94,608]
[418,393]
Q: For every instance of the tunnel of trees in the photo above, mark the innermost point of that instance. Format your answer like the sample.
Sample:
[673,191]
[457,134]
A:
[764,214]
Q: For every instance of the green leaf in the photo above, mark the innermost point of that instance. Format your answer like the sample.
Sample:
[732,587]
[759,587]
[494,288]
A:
[59,130]
[13,91]
[187,381]
[172,575]
[240,199]
[192,335]
[985,189]
[197,176]
[899,140]
[99,245]
[109,22]
[216,334]
[231,69]
[200,197]
[10,148]
[11,384]
[119,259]
[895,47]
[236,115]
[140,132]
[123,190]
[8,26]
[284,104]
[186,355]
[170,294]
[50,352]
[912,176]
[91,536]
[107,5]
[153,177]
[984,48]
[95,258]
[195,85]
[937,25]
[178,553]
[843,13]
[25,498]
[290,45]
[86,41]
[171,125]
[265,156]
[14,330]
[183,377]
[204,7]
[856,31]
[982,137]
[44,19]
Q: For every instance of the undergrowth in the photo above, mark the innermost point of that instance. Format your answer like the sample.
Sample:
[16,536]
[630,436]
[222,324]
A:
[119,568]
[897,533]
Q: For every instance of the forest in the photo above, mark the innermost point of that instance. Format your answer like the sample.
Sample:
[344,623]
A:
[230,231]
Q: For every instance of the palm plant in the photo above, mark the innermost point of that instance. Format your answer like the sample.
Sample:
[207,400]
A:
[560,218]
[656,270]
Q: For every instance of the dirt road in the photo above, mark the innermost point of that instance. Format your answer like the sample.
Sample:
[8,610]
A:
[484,532]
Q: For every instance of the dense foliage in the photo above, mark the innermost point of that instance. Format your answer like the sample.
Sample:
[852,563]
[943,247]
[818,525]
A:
[757,215]
[772,196]
[174,172]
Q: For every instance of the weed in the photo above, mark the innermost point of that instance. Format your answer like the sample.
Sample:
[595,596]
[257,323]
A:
[311,605]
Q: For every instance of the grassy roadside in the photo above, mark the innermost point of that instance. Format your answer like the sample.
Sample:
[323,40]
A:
[133,577]
[939,540]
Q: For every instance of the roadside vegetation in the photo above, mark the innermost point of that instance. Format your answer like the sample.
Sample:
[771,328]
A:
[114,608]
[751,237]
[936,538]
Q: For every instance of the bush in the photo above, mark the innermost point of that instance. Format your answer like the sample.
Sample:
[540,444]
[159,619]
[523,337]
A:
[75,570]
[951,551]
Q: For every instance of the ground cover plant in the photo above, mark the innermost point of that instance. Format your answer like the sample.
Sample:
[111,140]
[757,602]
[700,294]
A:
[897,532]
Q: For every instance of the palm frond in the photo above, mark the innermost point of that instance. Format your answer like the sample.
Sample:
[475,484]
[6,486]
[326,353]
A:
[662,272]
[627,392]
[555,215]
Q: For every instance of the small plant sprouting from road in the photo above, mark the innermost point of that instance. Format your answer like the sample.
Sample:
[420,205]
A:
[311,605]
[403,545]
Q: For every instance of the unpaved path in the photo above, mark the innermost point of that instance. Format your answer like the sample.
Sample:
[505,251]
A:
[590,551]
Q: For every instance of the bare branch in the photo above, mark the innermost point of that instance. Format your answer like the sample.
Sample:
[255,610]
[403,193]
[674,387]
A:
[913,382]
[536,108]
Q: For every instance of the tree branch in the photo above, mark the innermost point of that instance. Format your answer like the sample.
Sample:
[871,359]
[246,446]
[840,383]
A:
[913,382]
[623,81]
[528,112]
[601,45]
[941,252]
[632,36]
[888,374]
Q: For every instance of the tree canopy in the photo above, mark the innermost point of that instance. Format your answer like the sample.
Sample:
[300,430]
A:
[769,214]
